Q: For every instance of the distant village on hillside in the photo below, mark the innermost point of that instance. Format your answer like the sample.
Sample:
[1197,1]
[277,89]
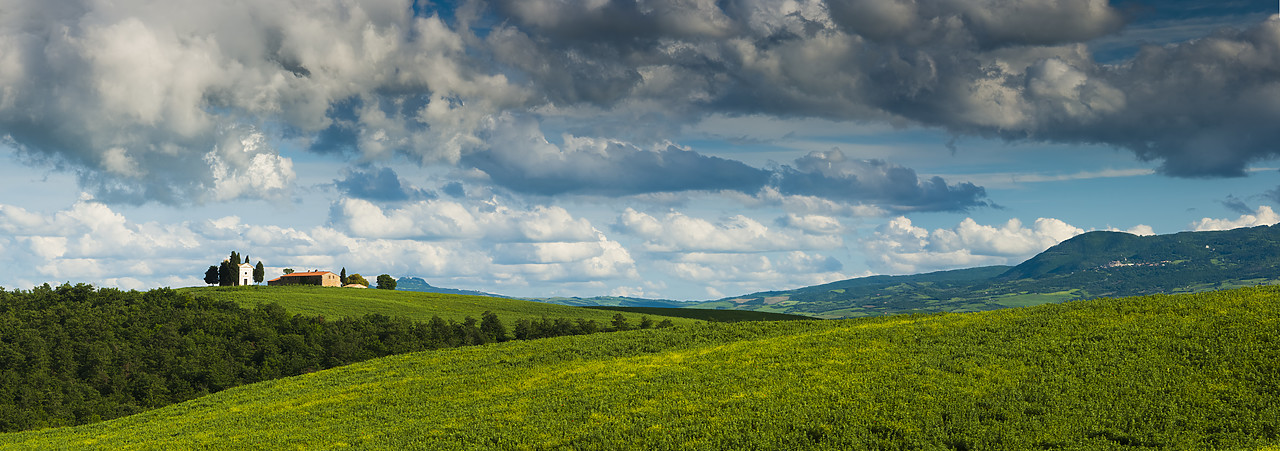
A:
[234,272]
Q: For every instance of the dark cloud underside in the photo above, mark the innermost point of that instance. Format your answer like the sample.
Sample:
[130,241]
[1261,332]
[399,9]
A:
[186,101]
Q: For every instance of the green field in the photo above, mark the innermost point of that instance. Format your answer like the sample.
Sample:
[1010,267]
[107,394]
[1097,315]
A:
[727,316]
[349,302]
[1174,372]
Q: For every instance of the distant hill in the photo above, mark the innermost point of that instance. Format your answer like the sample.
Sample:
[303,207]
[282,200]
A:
[1206,257]
[1090,265]
[613,301]
[420,285]
[1156,372]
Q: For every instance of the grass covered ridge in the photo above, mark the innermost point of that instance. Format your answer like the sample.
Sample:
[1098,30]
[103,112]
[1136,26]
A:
[334,302]
[1184,372]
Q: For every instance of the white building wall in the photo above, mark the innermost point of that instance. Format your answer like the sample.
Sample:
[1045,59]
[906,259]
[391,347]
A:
[246,275]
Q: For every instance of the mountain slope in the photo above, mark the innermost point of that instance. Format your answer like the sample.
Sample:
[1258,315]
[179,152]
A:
[1243,252]
[1090,265]
[1183,372]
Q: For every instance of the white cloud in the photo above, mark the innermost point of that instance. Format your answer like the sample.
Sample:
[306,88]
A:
[90,242]
[142,95]
[901,247]
[755,272]
[814,224]
[245,167]
[1140,230]
[1263,216]
[677,232]
[801,204]
[443,219]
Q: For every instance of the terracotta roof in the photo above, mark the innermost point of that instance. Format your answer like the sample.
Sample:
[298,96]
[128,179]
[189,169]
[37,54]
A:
[316,273]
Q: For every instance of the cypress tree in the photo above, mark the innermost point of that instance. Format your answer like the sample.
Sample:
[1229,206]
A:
[211,275]
[259,272]
[342,277]
[224,274]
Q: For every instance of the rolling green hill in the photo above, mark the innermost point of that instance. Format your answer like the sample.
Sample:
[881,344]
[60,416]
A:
[1088,266]
[1175,372]
[349,302]
[728,316]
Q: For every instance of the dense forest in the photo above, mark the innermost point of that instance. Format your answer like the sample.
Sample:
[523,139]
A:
[75,354]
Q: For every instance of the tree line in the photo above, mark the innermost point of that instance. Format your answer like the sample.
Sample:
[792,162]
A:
[75,354]
[224,274]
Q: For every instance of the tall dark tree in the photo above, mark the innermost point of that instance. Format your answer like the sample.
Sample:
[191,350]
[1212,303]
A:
[342,277]
[489,324]
[211,276]
[235,259]
[259,272]
[225,276]
[620,322]
[386,282]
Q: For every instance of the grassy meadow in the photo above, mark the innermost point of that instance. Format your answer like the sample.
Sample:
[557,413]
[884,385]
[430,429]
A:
[1173,372]
[334,302]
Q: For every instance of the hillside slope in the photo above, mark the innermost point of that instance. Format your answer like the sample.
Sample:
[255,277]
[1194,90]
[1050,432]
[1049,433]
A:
[1186,372]
[1088,266]
[349,302]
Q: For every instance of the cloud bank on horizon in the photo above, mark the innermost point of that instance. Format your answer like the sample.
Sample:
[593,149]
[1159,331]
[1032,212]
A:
[525,102]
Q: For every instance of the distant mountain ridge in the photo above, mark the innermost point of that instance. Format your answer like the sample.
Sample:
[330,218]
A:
[420,285]
[614,301]
[1089,265]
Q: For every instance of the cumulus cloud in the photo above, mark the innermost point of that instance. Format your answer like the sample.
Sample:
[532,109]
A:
[1263,216]
[90,242]
[831,175]
[191,101]
[380,185]
[756,272]
[677,232]
[1017,70]
[524,161]
[901,247]
[521,159]
[147,99]
[442,219]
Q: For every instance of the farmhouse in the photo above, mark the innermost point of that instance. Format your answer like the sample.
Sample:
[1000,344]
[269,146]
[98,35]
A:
[322,278]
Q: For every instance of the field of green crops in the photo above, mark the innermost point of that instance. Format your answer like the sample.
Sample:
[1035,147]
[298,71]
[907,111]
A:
[333,302]
[1171,372]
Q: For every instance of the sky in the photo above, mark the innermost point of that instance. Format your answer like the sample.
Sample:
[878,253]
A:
[675,149]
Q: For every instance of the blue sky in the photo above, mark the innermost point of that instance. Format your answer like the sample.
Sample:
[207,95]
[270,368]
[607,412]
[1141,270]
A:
[688,149]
